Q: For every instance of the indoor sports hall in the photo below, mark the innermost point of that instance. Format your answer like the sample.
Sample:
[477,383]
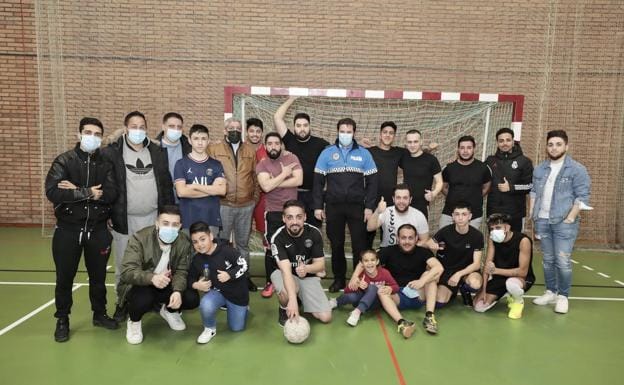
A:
[445,68]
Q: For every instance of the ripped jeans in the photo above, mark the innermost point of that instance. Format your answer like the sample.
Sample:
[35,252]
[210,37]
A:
[557,242]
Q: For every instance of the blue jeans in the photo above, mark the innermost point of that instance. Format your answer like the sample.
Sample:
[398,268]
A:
[209,306]
[557,242]
[364,299]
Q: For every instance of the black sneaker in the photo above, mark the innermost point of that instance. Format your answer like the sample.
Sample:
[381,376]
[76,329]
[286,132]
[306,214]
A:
[430,324]
[466,296]
[337,285]
[283,317]
[121,313]
[61,333]
[103,320]
[251,285]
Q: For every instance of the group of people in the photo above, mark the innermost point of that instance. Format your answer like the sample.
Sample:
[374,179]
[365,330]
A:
[178,210]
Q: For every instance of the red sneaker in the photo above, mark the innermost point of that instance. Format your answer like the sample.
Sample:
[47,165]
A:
[267,292]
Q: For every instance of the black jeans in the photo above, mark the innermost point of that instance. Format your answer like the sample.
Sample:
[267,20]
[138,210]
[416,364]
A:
[67,247]
[143,299]
[272,222]
[339,215]
[305,197]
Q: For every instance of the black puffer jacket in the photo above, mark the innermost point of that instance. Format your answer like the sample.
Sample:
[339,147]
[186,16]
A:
[113,153]
[73,208]
[518,170]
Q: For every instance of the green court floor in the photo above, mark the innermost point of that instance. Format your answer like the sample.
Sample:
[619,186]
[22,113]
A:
[585,346]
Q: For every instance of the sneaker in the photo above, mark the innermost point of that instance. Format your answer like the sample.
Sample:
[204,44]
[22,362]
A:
[406,328]
[121,313]
[103,320]
[466,296]
[333,303]
[61,333]
[173,319]
[561,306]
[267,292]
[548,298]
[282,317]
[251,285]
[206,336]
[430,324]
[354,318]
[482,307]
[134,332]
[515,309]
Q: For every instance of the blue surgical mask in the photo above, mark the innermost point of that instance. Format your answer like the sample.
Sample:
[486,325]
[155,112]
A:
[168,234]
[136,136]
[173,135]
[90,143]
[345,139]
[497,235]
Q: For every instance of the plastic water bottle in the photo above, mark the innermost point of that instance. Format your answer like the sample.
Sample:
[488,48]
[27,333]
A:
[206,272]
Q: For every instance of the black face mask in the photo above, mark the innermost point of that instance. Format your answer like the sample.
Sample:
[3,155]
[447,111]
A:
[234,136]
[273,154]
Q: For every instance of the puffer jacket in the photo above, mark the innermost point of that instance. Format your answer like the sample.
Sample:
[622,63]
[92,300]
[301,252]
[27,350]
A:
[142,256]
[518,170]
[240,172]
[113,153]
[74,209]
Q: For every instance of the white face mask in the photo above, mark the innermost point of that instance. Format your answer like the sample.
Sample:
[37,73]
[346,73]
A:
[497,235]
[173,135]
[136,136]
[345,139]
[90,143]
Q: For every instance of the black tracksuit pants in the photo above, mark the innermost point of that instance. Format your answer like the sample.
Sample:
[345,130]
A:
[337,216]
[67,247]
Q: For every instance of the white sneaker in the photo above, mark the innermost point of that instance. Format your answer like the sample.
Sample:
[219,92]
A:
[354,318]
[173,319]
[206,335]
[561,306]
[134,333]
[548,298]
[332,303]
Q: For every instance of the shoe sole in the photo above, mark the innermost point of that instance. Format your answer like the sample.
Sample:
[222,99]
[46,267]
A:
[62,339]
[408,331]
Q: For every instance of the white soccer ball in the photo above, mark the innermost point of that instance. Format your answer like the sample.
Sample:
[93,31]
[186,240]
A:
[296,331]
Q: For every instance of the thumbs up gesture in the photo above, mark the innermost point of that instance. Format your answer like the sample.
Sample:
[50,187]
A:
[381,206]
[504,187]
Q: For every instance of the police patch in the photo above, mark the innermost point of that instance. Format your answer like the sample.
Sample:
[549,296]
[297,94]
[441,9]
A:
[335,156]
[514,165]
[308,243]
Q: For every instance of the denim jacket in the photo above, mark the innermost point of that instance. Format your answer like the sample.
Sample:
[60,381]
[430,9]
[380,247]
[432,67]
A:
[571,186]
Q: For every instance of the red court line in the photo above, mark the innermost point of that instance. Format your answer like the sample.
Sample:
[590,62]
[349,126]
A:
[395,362]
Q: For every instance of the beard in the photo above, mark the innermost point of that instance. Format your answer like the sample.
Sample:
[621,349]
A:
[295,230]
[556,157]
[274,154]
[303,138]
[398,209]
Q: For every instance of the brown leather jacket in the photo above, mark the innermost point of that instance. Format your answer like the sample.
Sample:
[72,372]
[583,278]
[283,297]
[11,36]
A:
[240,172]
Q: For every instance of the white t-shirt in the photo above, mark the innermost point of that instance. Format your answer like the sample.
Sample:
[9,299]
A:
[544,211]
[164,260]
[391,220]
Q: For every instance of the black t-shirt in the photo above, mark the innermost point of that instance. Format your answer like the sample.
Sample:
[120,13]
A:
[465,184]
[387,162]
[405,267]
[418,173]
[459,249]
[304,248]
[224,258]
[507,255]
[307,152]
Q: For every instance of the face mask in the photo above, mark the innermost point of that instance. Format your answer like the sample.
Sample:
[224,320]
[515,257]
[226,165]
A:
[90,143]
[168,234]
[234,136]
[497,235]
[136,136]
[173,135]
[345,139]
[273,154]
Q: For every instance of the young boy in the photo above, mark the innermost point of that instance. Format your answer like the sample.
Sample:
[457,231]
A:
[199,181]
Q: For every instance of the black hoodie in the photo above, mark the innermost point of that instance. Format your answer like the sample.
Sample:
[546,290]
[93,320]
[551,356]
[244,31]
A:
[518,170]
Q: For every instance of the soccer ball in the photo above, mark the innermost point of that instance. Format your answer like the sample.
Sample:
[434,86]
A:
[296,332]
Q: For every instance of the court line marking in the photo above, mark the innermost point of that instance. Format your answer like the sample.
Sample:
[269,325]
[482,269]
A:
[393,357]
[599,273]
[588,268]
[603,275]
[619,282]
[34,312]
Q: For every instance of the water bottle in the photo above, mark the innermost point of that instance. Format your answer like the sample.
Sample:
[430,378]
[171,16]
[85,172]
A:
[206,272]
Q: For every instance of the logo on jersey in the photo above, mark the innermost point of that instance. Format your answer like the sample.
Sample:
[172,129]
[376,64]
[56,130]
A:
[335,156]
[468,245]
[308,243]
[514,165]
[356,158]
[189,171]
[209,171]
